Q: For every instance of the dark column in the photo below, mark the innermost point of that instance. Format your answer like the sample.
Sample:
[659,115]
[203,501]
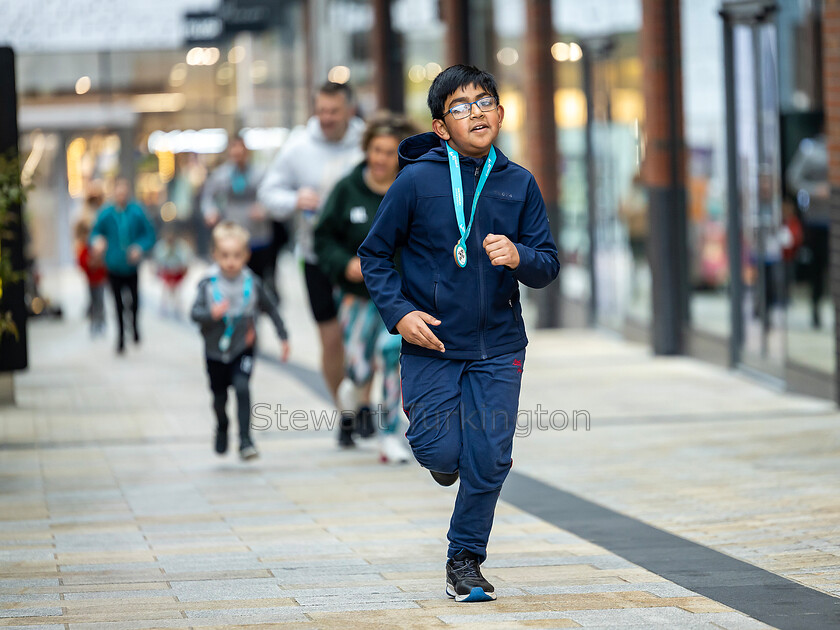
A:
[387,59]
[664,172]
[541,134]
[831,102]
[455,14]
[13,354]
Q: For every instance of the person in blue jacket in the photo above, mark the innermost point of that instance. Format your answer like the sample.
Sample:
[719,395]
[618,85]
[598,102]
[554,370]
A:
[471,226]
[123,234]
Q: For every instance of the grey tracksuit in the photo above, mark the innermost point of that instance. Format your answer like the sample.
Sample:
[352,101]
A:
[232,290]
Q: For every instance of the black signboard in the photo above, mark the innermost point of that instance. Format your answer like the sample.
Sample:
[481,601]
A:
[12,350]
[203,27]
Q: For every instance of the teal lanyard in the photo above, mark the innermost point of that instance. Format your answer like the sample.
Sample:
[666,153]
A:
[458,197]
[231,320]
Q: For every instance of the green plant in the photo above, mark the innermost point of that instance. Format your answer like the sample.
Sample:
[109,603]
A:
[12,194]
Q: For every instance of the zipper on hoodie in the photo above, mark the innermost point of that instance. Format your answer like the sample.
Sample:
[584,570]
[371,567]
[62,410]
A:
[482,315]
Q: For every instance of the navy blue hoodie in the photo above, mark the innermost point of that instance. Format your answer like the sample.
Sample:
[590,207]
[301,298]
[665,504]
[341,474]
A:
[478,306]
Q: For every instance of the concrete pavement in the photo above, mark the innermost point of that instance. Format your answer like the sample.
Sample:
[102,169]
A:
[115,512]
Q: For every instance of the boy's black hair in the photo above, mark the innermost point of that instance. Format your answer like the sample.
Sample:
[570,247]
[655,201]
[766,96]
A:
[454,77]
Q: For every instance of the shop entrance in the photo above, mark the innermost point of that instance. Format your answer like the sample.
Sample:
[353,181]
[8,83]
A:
[759,283]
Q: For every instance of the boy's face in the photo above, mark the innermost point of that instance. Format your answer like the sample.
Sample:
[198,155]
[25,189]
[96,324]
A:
[231,254]
[471,136]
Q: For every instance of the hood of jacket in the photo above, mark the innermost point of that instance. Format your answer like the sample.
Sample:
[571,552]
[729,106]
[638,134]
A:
[429,147]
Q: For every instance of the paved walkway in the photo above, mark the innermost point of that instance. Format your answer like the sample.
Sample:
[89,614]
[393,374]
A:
[115,512]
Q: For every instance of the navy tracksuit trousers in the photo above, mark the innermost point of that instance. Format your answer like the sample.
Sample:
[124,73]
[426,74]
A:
[462,416]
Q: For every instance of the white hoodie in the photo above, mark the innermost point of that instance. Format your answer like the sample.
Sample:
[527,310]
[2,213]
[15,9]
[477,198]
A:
[309,160]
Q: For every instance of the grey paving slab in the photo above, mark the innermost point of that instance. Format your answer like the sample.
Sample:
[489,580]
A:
[163,591]
[110,567]
[660,589]
[266,588]
[250,616]
[27,555]
[29,612]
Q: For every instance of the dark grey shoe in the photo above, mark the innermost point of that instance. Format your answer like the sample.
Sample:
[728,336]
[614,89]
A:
[364,423]
[345,431]
[464,581]
[444,479]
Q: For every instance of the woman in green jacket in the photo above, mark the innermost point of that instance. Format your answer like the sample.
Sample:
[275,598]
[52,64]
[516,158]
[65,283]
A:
[345,222]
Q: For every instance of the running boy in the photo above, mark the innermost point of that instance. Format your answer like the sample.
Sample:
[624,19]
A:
[471,225]
[226,308]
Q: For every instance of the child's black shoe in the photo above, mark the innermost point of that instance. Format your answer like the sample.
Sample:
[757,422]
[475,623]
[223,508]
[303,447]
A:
[464,581]
[221,442]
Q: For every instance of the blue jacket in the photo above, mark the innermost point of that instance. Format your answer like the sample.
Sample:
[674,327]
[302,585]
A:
[478,306]
[122,230]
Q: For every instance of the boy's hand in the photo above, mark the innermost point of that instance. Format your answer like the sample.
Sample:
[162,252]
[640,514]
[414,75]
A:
[501,251]
[284,351]
[353,271]
[413,328]
[218,310]
[250,336]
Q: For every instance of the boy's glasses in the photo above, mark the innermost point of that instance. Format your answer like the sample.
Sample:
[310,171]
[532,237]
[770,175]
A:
[462,110]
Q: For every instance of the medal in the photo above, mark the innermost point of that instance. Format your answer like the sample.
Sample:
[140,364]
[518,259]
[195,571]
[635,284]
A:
[460,255]
[460,251]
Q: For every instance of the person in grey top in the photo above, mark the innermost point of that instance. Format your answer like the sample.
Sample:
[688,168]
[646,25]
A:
[298,183]
[230,193]
[226,306]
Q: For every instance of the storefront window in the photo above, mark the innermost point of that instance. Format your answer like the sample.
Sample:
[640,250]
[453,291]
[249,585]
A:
[810,316]
[705,134]
[603,200]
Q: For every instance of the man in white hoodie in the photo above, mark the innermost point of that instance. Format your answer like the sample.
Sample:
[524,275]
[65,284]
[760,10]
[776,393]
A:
[298,183]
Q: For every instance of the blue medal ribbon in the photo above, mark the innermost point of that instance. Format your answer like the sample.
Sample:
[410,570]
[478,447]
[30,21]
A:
[231,320]
[458,198]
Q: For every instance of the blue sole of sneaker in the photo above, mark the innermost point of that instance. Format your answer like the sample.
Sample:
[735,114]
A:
[477,594]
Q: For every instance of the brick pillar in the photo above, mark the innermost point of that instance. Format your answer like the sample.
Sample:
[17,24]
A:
[541,134]
[831,103]
[455,14]
[387,59]
[663,172]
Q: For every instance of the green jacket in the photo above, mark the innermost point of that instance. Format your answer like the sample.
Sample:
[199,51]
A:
[345,222]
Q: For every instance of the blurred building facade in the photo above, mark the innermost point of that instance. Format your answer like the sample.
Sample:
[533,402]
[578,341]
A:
[680,144]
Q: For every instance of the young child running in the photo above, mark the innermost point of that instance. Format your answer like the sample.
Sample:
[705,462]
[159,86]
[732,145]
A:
[226,306]
[470,226]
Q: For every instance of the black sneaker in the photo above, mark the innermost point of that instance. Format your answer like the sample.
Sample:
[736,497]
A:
[464,581]
[444,479]
[221,442]
[364,423]
[345,431]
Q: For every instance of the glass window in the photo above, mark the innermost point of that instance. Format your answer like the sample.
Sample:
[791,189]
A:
[705,134]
